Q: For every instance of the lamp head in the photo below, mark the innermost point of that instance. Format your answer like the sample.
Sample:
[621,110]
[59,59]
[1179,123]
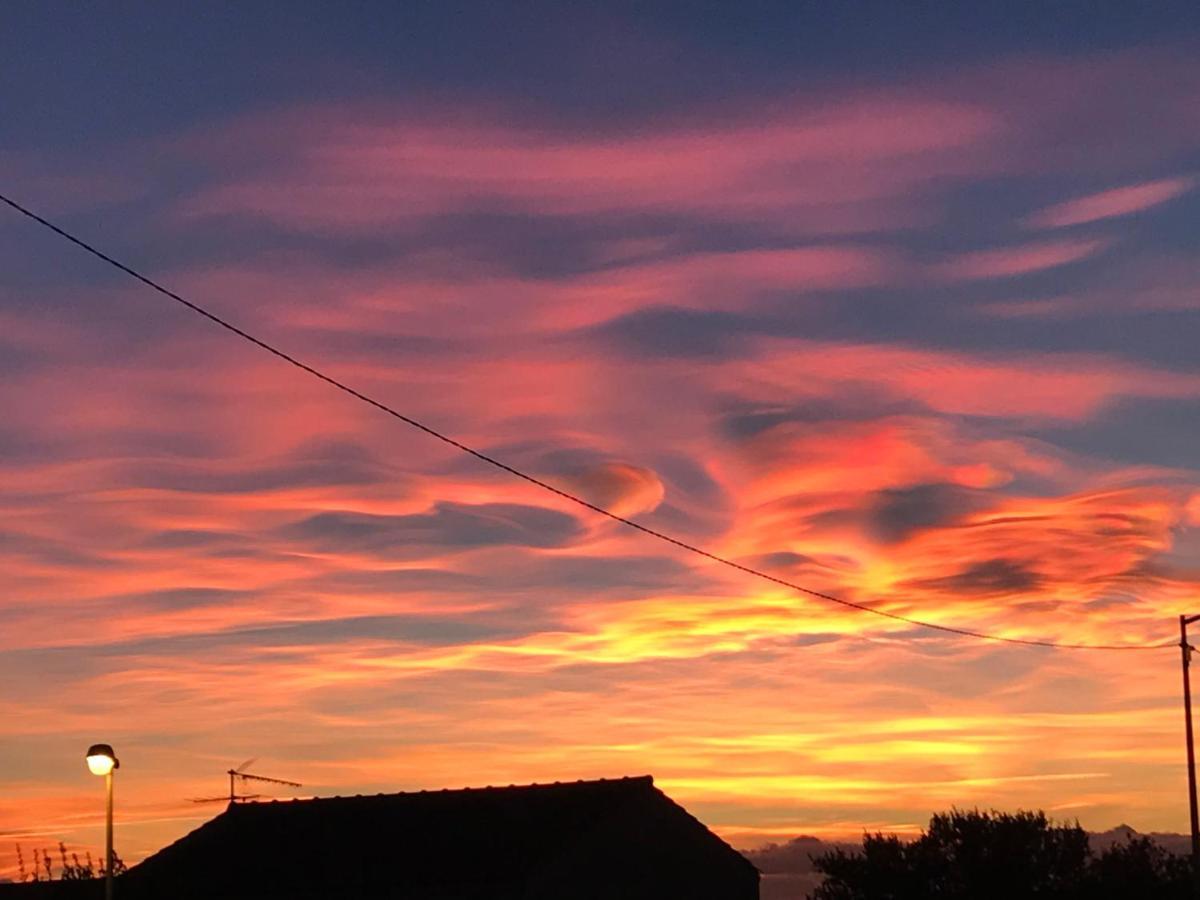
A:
[101,760]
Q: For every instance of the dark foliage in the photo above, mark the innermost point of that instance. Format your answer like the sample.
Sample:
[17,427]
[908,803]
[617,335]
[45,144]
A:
[1000,856]
[69,869]
[1139,868]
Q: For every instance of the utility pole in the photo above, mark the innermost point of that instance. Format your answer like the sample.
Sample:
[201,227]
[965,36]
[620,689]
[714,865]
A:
[1185,650]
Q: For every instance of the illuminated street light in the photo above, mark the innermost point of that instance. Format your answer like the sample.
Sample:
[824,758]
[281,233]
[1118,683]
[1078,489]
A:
[101,761]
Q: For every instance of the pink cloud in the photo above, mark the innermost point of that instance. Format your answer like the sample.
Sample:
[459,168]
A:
[1131,287]
[418,298]
[1008,262]
[1062,386]
[835,163]
[1113,203]
[832,161]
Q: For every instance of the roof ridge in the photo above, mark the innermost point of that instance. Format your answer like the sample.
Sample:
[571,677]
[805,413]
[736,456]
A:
[624,780]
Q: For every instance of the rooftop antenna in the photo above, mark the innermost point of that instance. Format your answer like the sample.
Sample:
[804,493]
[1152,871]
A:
[241,773]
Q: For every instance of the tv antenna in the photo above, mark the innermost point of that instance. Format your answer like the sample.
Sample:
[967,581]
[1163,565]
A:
[241,776]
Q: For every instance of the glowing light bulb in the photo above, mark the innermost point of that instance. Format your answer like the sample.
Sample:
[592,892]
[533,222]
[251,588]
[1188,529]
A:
[101,760]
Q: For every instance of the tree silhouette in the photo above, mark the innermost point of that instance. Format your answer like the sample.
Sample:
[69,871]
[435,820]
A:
[1139,868]
[973,855]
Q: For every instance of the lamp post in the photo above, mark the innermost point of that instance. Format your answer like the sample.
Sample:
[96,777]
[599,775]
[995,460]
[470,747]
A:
[101,761]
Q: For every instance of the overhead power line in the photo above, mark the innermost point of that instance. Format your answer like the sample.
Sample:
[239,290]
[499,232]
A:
[566,495]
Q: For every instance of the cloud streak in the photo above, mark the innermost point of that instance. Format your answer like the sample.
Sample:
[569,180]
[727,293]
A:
[1110,204]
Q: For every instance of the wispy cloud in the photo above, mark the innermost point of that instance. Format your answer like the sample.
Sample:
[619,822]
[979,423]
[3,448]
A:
[1111,204]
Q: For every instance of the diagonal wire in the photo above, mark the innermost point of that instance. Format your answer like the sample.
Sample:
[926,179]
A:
[566,495]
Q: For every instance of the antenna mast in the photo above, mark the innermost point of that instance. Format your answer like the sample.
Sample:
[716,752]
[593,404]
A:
[240,772]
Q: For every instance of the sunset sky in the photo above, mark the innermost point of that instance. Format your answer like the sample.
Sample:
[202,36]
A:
[898,302]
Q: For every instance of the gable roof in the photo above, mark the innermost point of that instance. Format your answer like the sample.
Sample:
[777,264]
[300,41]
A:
[494,841]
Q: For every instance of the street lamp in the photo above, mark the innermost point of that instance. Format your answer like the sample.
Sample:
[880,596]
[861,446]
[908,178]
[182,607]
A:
[101,761]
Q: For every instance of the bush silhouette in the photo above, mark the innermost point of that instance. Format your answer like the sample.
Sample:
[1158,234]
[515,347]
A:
[69,870]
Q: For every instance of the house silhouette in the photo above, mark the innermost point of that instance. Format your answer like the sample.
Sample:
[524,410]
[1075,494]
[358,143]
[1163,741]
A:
[620,839]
